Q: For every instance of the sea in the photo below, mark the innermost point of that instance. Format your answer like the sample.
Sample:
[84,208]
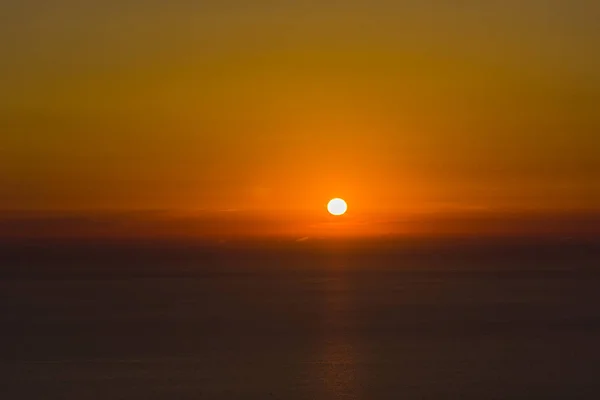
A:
[428,318]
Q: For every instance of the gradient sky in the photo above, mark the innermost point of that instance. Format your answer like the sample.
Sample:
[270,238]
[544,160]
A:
[264,105]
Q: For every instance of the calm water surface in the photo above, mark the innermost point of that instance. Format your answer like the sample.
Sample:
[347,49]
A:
[300,324]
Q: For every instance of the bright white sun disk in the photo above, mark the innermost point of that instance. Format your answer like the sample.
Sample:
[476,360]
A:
[337,206]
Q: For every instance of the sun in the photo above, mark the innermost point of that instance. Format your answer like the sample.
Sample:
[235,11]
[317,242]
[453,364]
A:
[337,206]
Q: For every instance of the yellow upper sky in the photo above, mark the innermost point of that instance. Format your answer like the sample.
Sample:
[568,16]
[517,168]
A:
[253,105]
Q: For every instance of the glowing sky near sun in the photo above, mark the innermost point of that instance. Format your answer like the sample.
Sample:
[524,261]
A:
[394,105]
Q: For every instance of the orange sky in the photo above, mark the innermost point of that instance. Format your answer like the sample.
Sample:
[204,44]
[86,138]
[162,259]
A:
[399,109]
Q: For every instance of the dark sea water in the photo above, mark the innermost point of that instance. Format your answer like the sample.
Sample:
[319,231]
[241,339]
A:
[418,320]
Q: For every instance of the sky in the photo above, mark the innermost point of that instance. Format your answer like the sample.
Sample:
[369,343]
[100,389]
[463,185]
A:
[278,106]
